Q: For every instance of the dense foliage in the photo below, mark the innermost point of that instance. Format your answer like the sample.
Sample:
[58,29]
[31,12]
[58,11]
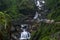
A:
[15,11]
[50,31]
[54,5]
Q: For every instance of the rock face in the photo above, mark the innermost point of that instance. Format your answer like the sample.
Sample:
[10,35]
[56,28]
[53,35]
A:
[15,32]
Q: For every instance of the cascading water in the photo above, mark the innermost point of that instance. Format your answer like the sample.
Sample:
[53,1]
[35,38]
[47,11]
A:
[36,15]
[39,4]
[25,35]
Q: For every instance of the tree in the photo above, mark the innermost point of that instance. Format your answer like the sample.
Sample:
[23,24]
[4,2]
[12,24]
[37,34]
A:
[4,25]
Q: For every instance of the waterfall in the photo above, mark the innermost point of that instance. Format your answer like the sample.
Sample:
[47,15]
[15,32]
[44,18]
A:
[36,15]
[25,35]
[39,4]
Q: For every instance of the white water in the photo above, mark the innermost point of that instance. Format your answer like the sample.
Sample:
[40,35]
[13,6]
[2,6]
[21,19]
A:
[25,34]
[36,15]
[39,4]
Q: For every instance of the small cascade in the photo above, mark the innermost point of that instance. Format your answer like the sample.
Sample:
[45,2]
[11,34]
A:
[39,4]
[40,15]
[36,15]
[25,35]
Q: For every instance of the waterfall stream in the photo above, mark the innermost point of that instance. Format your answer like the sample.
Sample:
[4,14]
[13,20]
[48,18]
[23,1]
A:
[39,4]
[24,34]
[39,16]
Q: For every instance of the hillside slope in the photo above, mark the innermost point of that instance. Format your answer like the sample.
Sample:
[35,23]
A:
[50,31]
